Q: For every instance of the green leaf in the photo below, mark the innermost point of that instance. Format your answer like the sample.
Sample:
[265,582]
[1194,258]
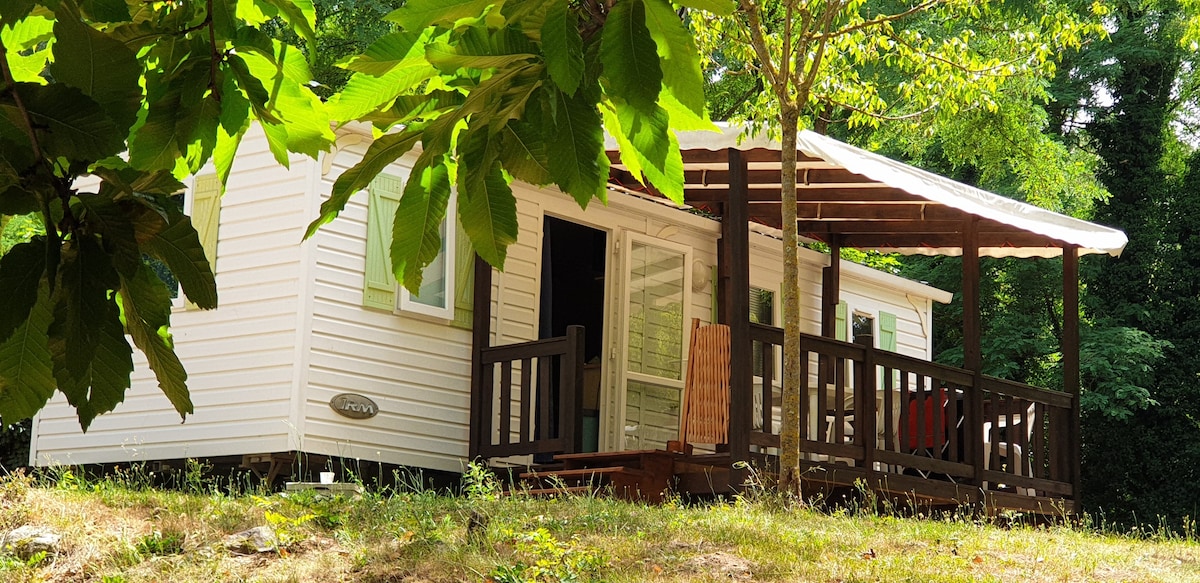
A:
[390,51]
[651,143]
[80,299]
[684,119]
[21,272]
[448,58]
[523,152]
[67,122]
[629,55]
[179,247]
[12,11]
[301,17]
[105,217]
[105,10]
[142,300]
[715,7]
[576,136]
[26,372]
[563,46]
[680,64]
[417,14]
[100,66]
[489,214]
[416,230]
[383,151]
[365,93]
[17,201]
[155,144]
[106,378]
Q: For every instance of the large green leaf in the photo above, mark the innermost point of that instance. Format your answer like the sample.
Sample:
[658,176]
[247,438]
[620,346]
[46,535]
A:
[142,299]
[563,46]
[85,276]
[179,247]
[365,93]
[299,110]
[12,11]
[416,230]
[575,134]
[21,272]
[629,55]
[383,151]
[67,122]
[489,215]
[523,152]
[99,65]
[301,17]
[106,217]
[649,140]
[106,10]
[417,14]
[680,64]
[155,144]
[26,372]
[390,51]
[449,58]
[106,378]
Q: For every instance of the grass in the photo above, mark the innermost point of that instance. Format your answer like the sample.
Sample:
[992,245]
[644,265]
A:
[119,529]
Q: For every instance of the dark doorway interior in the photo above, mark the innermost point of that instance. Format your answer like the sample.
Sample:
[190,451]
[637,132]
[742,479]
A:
[572,293]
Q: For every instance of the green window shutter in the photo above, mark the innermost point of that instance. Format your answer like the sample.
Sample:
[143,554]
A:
[379,285]
[887,331]
[206,217]
[839,331]
[206,214]
[464,279]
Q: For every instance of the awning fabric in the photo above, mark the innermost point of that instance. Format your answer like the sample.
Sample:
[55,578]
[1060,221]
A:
[952,199]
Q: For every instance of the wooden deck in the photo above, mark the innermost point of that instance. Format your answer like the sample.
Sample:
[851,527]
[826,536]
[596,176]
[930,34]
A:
[911,431]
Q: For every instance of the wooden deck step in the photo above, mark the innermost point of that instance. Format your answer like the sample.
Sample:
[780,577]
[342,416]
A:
[583,473]
[604,458]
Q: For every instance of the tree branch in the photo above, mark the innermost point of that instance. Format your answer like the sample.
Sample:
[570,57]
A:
[10,86]
[873,114]
[881,20]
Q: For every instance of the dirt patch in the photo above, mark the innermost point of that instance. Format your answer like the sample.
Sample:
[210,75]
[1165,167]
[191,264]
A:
[722,563]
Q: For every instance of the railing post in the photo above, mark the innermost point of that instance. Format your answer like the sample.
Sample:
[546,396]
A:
[481,324]
[1070,357]
[571,406]
[972,352]
[736,237]
[866,407]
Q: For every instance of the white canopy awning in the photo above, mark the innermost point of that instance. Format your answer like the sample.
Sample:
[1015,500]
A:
[885,193]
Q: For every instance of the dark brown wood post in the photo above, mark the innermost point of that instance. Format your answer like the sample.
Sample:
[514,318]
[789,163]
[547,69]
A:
[481,334]
[570,413]
[831,287]
[972,350]
[722,299]
[1070,356]
[735,234]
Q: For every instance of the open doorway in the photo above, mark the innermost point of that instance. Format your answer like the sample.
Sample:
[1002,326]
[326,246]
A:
[574,264]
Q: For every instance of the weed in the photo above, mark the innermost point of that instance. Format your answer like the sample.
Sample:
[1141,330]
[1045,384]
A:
[479,483]
[158,544]
[541,557]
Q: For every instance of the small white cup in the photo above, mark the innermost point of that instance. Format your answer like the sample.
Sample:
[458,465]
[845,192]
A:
[326,477]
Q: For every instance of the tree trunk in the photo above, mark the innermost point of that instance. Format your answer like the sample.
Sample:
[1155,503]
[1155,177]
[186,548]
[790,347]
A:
[789,437]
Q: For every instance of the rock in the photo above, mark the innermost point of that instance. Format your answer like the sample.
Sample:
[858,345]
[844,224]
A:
[725,564]
[26,541]
[260,539]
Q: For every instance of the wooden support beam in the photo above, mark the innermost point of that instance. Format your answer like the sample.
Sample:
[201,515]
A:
[947,240]
[972,351]
[481,336]
[831,288]
[866,193]
[735,232]
[1070,356]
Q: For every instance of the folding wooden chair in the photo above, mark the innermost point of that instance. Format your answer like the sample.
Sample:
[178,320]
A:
[705,415]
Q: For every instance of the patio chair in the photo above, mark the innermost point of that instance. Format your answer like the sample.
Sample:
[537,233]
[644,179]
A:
[927,421]
[1005,447]
[705,415]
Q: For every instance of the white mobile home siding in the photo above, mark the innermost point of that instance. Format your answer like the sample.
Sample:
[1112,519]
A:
[240,358]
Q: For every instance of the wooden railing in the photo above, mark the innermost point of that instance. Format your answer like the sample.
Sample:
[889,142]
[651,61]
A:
[889,413]
[533,405]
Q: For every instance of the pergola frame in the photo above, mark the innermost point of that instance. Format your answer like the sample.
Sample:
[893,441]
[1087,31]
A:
[844,208]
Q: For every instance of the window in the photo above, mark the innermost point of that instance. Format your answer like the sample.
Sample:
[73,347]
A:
[863,329]
[202,203]
[445,283]
[436,297]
